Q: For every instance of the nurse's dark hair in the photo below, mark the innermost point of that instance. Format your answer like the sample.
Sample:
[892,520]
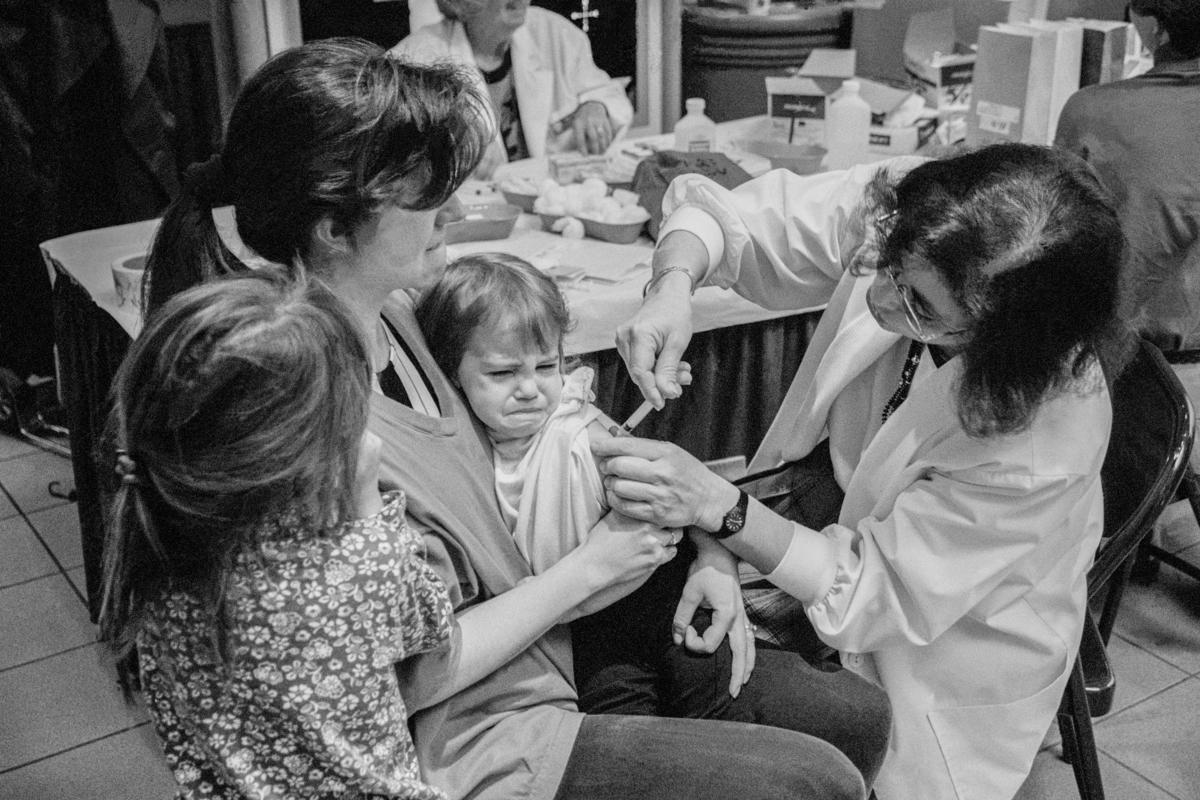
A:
[236,414]
[1179,18]
[1029,243]
[335,128]
[490,289]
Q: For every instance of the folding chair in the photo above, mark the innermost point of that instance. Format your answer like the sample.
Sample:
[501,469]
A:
[1147,456]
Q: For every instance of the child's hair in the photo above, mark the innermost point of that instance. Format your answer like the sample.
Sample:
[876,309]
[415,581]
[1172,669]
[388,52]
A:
[334,127]
[490,289]
[243,401]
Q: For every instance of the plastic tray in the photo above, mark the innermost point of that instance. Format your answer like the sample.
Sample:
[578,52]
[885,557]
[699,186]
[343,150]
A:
[483,221]
[521,201]
[617,233]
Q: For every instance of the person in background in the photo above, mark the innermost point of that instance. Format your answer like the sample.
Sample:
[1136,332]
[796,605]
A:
[1142,135]
[956,376]
[342,161]
[547,94]
[267,588]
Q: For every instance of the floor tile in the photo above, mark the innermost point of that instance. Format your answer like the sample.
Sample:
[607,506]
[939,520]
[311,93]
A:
[1139,675]
[1053,779]
[78,580]
[59,529]
[1164,618]
[22,556]
[7,509]
[1177,528]
[61,702]
[41,618]
[128,766]
[11,447]
[26,479]
[1158,738]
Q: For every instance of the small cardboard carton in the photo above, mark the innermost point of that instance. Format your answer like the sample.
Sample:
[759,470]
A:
[940,69]
[796,104]
[900,123]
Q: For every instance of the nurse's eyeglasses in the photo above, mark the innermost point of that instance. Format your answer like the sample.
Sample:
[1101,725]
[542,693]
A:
[920,330]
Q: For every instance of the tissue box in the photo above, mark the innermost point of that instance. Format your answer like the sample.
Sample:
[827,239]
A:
[901,140]
[796,104]
[937,66]
[572,167]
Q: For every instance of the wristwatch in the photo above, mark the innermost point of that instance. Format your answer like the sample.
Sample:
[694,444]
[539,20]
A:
[734,518]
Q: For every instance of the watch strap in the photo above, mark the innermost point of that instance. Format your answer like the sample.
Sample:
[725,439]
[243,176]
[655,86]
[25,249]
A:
[735,518]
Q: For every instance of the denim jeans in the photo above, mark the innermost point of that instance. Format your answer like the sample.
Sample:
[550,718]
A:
[626,757]
[626,664]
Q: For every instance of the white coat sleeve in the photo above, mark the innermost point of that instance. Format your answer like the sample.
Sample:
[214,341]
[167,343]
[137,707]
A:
[787,237]
[588,82]
[949,541]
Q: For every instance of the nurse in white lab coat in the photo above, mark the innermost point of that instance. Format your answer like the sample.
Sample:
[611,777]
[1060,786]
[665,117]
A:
[563,101]
[956,373]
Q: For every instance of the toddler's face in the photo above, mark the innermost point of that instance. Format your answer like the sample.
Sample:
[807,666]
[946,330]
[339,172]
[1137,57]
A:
[512,389]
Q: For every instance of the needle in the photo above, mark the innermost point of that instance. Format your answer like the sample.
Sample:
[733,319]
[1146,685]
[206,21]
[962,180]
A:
[637,416]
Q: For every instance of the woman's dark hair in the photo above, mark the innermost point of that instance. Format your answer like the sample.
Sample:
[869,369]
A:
[488,289]
[1029,243]
[334,127]
[242,402]
[1179,18]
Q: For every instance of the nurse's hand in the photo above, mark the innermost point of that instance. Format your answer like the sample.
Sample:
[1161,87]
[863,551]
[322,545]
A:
[662,483]
[713,582]
[652,341]
[593,129]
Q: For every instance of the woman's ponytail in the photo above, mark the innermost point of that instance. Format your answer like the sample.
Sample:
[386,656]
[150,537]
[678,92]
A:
[187,249]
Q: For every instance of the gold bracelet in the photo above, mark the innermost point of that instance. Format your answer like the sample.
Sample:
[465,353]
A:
[654,279]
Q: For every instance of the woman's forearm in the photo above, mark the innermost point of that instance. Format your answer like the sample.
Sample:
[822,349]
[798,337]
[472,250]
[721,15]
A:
[767,538]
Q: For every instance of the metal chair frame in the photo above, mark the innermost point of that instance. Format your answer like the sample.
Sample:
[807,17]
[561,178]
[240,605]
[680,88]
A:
[1092,683]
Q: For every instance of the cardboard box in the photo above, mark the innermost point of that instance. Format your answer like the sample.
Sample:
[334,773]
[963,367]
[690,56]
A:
[796,104]
[901,140]
[940,69]
[1024,75]
[1105,48]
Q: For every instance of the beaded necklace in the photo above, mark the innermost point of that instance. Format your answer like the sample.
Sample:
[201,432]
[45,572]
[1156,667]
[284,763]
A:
[906,378]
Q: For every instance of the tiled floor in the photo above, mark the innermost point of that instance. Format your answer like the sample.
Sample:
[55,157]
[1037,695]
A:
[66,733]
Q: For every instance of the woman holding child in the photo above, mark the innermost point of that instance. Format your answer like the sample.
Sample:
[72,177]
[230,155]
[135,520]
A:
[342,163]
[953,392]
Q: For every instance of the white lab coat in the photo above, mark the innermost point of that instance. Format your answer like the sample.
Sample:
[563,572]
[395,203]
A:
[960,563]
[553,72]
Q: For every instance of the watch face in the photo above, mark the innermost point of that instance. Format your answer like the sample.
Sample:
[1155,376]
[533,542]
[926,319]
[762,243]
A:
[735,519]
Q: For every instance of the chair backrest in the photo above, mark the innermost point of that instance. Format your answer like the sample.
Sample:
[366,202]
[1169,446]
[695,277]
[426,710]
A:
[1148,450]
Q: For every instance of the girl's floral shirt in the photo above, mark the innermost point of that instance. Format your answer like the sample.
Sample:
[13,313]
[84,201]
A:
[310,706]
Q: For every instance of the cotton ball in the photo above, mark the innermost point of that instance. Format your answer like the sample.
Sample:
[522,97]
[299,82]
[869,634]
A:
[569,227]
[575,200]
[594,188]
[625,197]
[548,185]
[543,205]
[630,214]
[606,209]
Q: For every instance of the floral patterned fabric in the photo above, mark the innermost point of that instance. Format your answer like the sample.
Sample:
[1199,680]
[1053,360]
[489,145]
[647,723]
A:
[310,705]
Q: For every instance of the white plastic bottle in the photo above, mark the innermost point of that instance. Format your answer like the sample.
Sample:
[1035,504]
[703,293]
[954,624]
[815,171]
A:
[695,131]
[847,128]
